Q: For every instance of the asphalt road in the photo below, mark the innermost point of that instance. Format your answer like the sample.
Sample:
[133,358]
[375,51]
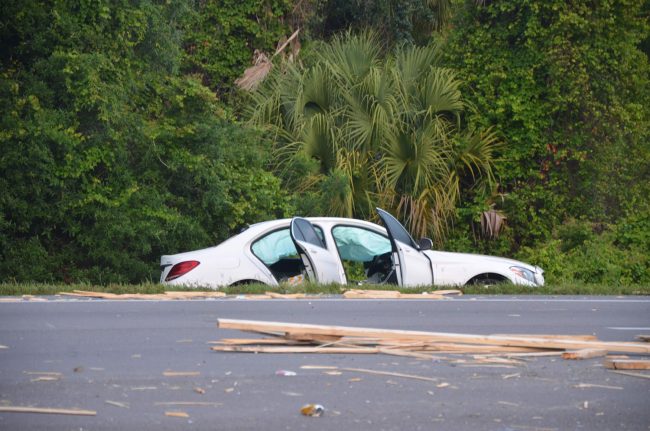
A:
[111,356]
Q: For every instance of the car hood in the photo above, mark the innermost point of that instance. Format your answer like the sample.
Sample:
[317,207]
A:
[448,257]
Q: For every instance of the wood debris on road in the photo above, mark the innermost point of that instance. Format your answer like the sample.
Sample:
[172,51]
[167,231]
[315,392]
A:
[177,414]
[159,296]
[46,410]
[494,350]
[181,373]
[394,294]
[117,404]
[632,374]
[584,354]
[627,364]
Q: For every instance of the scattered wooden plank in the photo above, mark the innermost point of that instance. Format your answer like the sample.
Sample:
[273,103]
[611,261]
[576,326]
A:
[249,341]
[584,354]
[581,337]
[320,338]
[527,354]
[171,295]
[476,348]
[188,403]
[497,360]
[627,364]
[297,349]
[190,295]
[406,353]
[391,374]
[367,371]
[276,295]
[630,373]
[420,296]
[177,414]
[560,343]
[380,294]
[46,379]
[47,410]
[117,404]
[394,294]
[181,373]
[591,385]
[43,373]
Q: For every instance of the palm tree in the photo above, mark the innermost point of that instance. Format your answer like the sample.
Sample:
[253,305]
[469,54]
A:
[370,130]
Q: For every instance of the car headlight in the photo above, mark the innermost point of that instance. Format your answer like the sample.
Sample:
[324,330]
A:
[524,273]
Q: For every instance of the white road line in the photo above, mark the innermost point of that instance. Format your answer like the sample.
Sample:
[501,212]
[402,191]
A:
[623,328]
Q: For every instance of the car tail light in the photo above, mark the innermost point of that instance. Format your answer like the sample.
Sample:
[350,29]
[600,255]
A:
[181,268]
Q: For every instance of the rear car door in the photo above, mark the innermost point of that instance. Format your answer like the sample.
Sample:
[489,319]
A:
[413,267]
[321,265]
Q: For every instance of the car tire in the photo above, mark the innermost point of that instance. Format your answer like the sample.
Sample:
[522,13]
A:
[487,280]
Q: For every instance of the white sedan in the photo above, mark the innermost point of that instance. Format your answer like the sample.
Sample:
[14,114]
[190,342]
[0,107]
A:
[337,250]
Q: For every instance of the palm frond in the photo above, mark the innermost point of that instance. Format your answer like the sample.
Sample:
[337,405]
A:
[441,93]
[351,57]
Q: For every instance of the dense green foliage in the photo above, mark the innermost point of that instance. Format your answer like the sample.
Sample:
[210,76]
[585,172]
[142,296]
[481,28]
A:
[363,130]
[222,34]
[110,158]
[398,21]
[566,85]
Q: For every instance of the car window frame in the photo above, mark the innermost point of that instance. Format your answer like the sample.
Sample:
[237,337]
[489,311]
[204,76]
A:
[318,228]
[358,227]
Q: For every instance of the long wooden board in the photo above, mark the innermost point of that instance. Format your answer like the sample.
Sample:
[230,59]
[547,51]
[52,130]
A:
[569,344]
[297,349]
[627,364]
[584,354]
[45,410]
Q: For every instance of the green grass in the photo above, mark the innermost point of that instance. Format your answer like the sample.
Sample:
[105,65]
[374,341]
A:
[13,289]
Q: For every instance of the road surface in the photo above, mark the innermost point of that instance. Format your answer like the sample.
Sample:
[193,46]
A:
[111,357]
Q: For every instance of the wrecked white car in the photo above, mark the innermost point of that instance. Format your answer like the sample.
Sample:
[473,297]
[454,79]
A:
[337,250]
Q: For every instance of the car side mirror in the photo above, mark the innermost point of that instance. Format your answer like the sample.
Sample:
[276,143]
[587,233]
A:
[425,244]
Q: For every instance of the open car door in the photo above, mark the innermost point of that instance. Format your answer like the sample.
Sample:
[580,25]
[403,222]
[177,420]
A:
[413,268]
[320,264]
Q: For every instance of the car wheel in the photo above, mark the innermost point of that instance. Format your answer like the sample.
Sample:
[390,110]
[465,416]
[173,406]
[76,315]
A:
[487,280]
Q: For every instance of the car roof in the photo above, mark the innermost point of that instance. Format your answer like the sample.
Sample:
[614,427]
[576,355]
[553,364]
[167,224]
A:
[329,220]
